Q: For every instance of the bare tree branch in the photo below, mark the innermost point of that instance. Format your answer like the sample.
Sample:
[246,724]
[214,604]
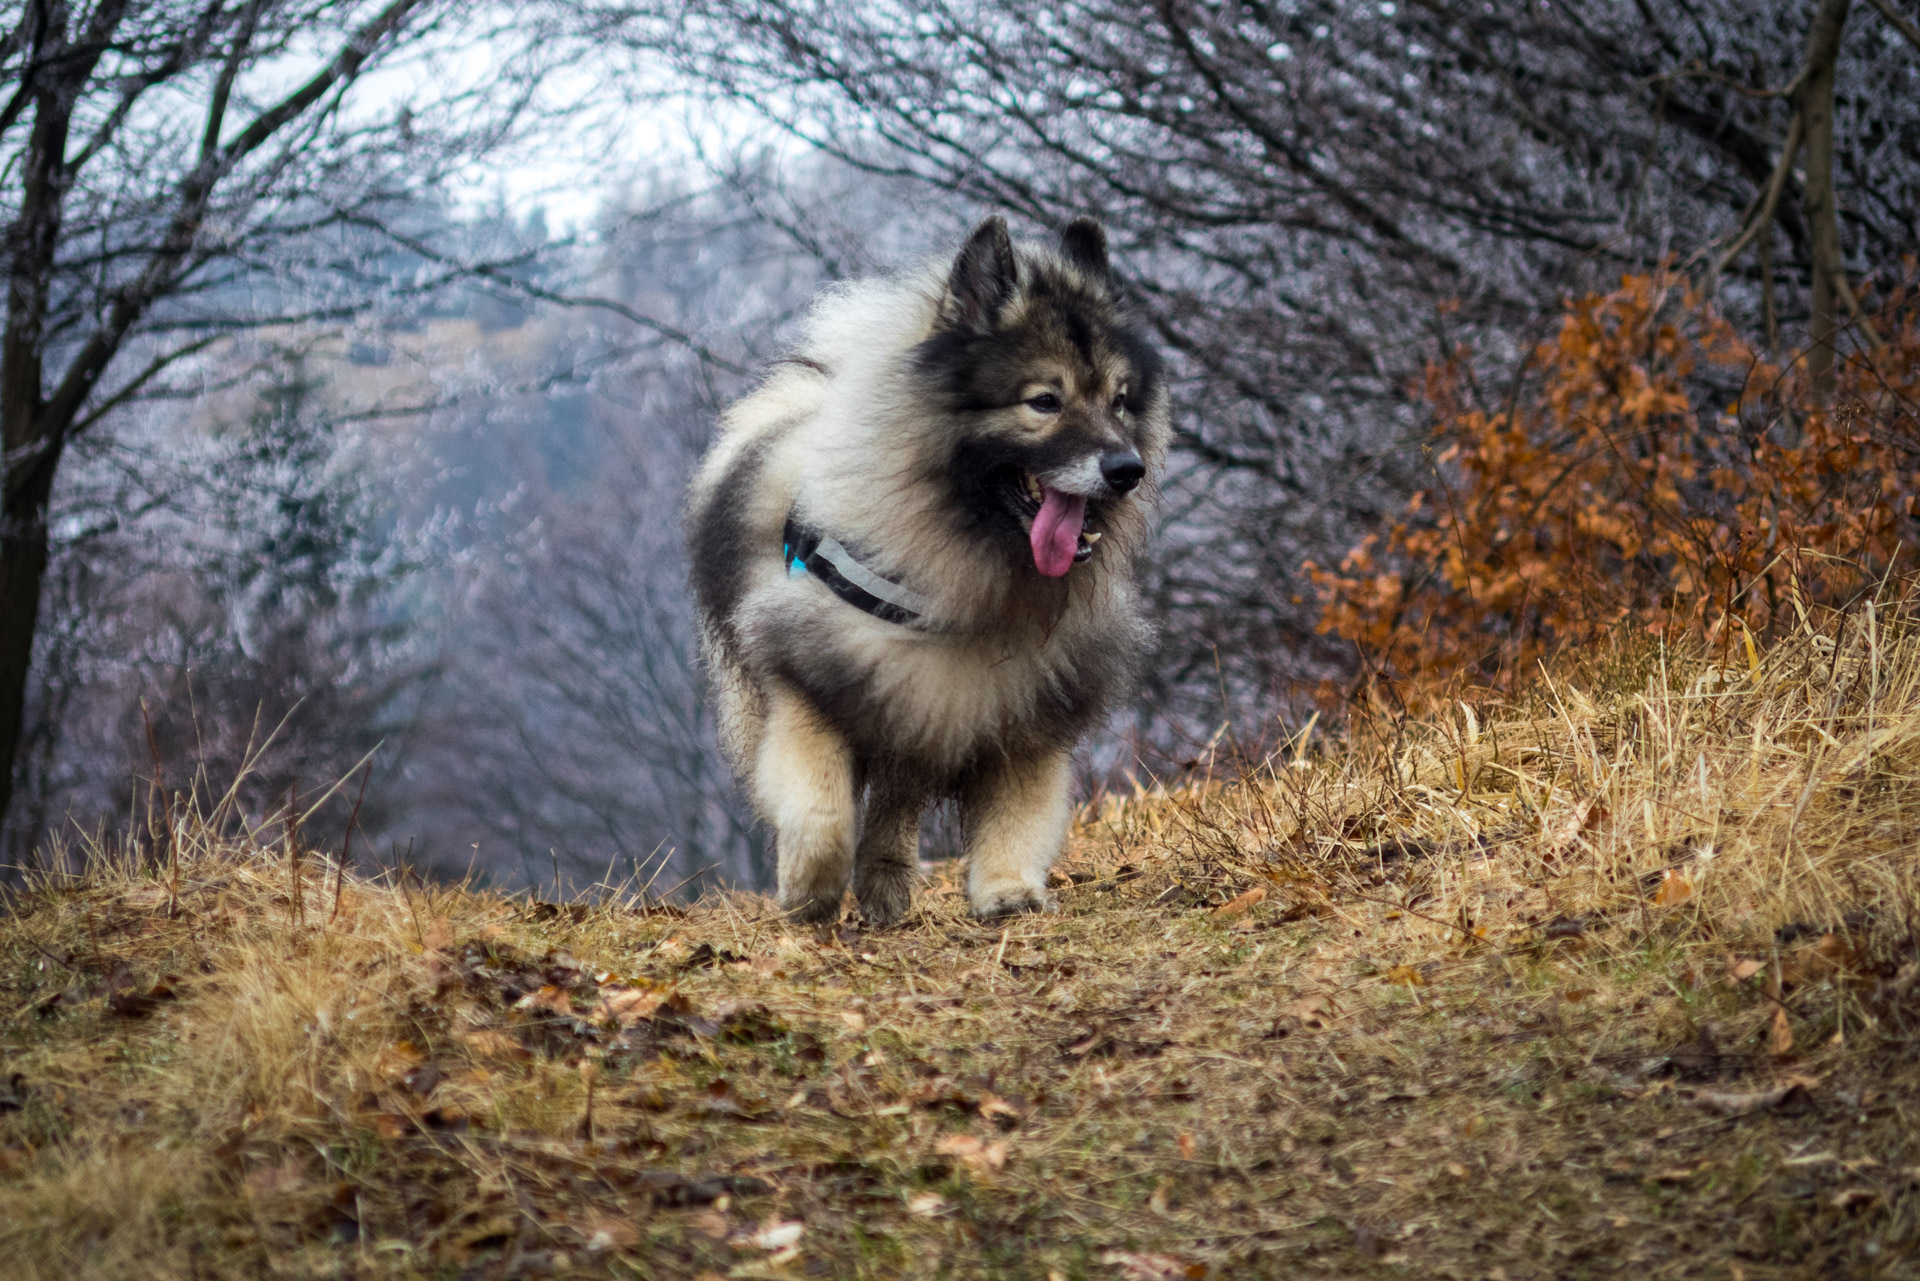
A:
[1899,22]
[1761,218]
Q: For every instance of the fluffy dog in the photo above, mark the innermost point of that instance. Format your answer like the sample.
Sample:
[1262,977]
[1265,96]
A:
[913,551]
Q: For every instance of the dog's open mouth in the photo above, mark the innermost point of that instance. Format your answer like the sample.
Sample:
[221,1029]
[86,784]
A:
[1056,524]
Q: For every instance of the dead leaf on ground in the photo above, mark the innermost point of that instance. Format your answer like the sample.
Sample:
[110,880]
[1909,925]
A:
[1314,1011]
[1793,1092]
[488,1043]
[607,1232]
[1153,1267]
[401,1057]
[778,1235]
[992,1106]
[1241,905]
[1674,888]
[626,1006]
[547,1000]
[1405,976]
[1833,954]
[1780,1035]
[390,1126]
[723,1102]
[927,1205]
[1741,971]
[979,1154]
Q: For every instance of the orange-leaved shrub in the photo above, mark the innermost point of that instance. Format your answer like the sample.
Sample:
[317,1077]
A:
[1647,466]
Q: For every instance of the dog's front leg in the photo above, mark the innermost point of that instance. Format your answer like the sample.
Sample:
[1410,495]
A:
[803,786]
[1016,817]
[888,857]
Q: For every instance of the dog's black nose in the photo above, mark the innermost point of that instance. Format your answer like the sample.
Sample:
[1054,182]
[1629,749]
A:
[1121,469]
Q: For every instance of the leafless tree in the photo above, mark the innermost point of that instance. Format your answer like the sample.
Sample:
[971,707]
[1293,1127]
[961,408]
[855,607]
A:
[223,610]
[177,172]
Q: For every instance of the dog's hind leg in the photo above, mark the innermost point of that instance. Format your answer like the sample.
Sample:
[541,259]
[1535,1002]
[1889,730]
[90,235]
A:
[803,786]
[1016,815]
[888,857]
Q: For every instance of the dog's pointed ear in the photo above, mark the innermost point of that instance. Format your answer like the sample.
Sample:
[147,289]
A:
[983,276]
[1084,244]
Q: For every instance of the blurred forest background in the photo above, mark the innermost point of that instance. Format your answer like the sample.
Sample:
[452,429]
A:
[356,355]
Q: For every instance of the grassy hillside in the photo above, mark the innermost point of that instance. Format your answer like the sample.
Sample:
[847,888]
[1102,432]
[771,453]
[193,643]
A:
[1623,979]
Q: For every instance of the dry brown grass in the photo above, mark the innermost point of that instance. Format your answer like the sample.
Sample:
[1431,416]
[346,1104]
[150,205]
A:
[1622,977]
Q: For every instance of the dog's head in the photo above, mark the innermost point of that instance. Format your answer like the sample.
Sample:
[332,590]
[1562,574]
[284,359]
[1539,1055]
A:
[1054,396]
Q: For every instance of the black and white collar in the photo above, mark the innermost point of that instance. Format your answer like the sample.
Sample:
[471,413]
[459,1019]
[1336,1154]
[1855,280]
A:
[810,551]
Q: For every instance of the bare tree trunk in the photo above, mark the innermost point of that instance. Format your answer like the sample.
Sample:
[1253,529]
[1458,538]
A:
[29,451]
[1814,101]
[23,567]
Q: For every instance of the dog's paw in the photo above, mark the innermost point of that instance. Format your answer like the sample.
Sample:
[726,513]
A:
[993,902]
[885,893]
[813,909]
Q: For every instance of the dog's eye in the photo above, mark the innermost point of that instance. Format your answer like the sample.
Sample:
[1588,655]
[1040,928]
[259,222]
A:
[1120,402]
[1046,402]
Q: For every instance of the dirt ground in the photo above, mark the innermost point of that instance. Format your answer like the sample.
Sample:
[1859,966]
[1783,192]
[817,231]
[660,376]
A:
[1131,1087]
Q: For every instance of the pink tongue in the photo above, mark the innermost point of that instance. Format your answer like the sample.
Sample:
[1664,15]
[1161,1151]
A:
[1056,532]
